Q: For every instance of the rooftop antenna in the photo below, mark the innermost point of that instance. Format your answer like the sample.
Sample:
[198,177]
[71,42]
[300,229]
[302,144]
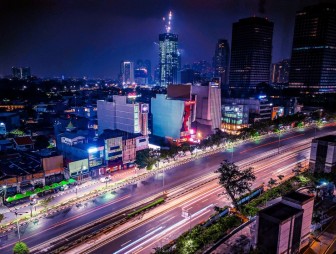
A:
[168,19]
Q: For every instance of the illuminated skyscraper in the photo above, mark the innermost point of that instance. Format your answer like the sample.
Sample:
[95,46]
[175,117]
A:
[221,60]
[313,63]
[127,72]
[251,53]
[169,56]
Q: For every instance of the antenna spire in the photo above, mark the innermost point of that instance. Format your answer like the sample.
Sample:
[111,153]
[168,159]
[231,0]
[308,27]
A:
[168,21]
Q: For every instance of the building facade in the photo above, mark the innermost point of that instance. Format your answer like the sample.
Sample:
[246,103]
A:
[284,227]
[280,73]
[314,50]
[127,72]
[251,53]
[123,115]
[221,61]
[168,58]
[323,154]
[235,117]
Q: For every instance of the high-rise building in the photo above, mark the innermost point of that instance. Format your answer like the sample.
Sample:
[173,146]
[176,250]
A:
[143,72]
[251,53]
[121,115]
[21,72]
[169,61]
[280,72]
[127,72]
[313,62]
[221,60]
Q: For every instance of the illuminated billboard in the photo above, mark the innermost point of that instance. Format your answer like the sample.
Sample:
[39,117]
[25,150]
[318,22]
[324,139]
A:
[78,167]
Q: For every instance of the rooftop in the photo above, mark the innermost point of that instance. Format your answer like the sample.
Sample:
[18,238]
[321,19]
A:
[328,138]
[297,197]
[118,133]
[25,140]
[280,211]
[19,164]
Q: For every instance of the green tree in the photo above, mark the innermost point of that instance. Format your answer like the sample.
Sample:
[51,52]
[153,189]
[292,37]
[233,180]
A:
[45,202]
[20,248]
[235,181]
[146,158]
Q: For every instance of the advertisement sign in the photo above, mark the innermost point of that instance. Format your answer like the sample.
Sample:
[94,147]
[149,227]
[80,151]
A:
[79,167]
[144,108]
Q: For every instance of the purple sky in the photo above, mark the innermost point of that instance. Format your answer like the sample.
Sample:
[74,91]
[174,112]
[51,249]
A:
[91,37]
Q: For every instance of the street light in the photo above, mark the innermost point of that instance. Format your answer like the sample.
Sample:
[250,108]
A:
[4,187]
[76,188]
[17,222]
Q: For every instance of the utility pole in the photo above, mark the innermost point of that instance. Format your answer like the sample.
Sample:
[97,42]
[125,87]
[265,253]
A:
[17,222]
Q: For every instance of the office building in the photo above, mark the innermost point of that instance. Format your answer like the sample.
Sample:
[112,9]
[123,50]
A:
[313,58]
[221,61]
[127,72]
[323,154]
[169,57]
[280,73]
[260,108]
[187,76]
[172,117]
[284,227]
[251,53]
[21,72]
[122,114]
[234,117]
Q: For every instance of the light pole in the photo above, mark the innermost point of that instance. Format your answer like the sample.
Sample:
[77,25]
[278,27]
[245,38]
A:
[31,208]
[76,190]
[17,222]
[4,187]
[279,141]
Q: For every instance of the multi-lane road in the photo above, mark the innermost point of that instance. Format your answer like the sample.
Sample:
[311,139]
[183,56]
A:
[59,224]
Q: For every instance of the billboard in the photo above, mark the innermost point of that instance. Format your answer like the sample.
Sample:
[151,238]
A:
[78,167]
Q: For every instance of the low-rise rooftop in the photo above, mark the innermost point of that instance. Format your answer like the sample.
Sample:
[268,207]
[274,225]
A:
[280,211]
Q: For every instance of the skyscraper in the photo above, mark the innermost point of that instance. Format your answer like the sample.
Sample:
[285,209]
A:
[21,72]
[313,63]
[251,53]
[169,55]
[221,60]
[127,72]
[280,72]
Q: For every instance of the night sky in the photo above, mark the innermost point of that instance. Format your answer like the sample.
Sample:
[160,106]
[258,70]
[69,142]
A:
[91,37]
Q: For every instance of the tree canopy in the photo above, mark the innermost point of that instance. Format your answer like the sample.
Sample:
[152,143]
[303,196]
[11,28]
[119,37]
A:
[235,181]
[20,248]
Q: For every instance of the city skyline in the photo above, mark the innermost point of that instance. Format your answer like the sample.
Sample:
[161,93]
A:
[59,38]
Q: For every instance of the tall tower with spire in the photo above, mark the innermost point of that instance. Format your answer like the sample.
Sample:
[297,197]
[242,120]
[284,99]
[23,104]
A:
[169,55]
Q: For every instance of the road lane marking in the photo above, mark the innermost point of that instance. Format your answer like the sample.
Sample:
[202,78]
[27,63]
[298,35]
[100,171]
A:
[126,243]
[135,242]
[273,142]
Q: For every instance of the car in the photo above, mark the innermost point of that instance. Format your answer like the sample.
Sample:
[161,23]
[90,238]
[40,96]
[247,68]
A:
[105,179]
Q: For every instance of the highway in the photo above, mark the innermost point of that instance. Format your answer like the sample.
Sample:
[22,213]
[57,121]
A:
[170,224]
[67,220]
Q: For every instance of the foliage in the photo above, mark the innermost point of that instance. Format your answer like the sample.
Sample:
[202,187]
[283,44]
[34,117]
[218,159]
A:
[235,181]
[45,202]
[146,158]
[201,237]
[154,203]
[20,248]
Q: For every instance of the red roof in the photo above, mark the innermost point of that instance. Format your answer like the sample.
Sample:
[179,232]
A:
[21,141]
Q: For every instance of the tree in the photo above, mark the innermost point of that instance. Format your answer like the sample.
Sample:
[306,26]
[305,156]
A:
[235,182]
[1,217]
[20,248]
[45,202]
